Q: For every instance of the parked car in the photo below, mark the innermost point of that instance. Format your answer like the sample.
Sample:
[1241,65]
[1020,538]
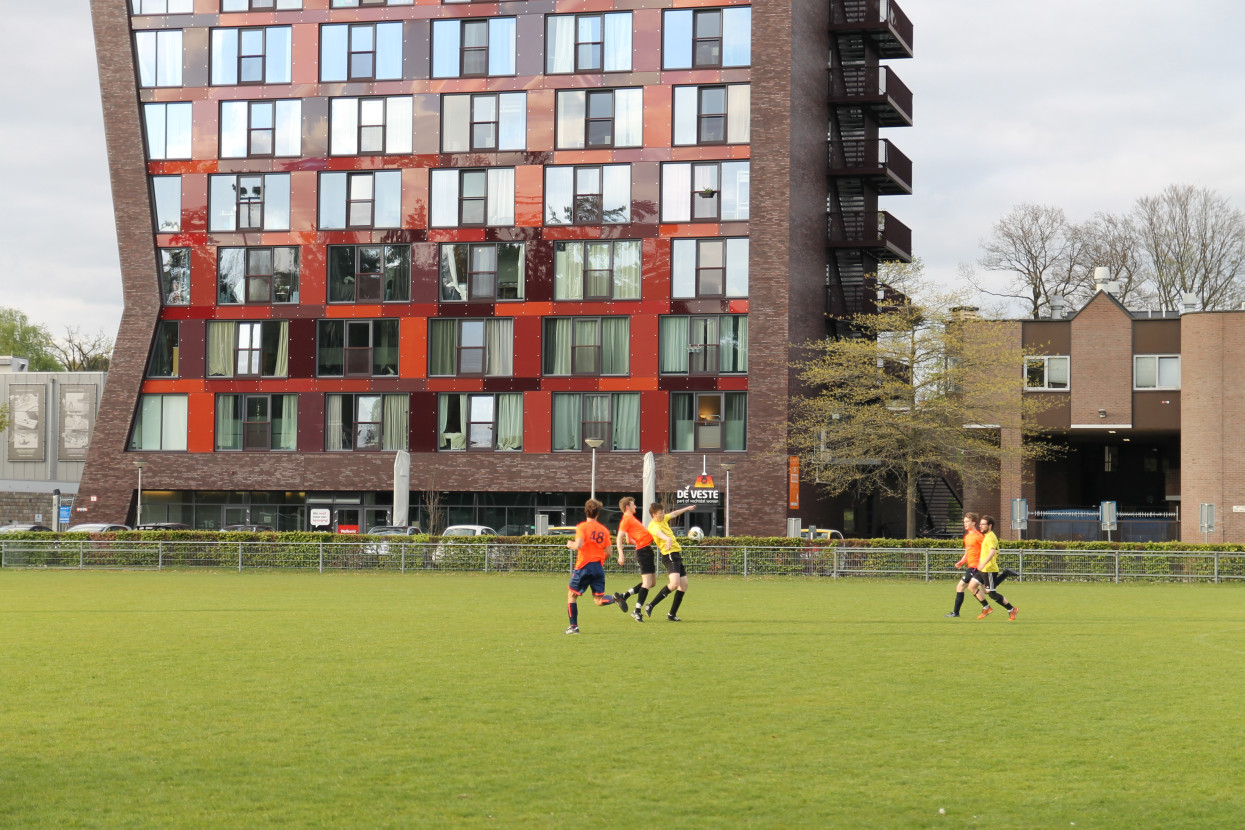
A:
[469,530]
[395,530]
[21,528]
[247,529]
[96,527]
[163,526]
[562,530]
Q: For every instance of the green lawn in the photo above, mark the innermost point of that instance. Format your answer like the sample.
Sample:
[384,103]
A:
[213,699]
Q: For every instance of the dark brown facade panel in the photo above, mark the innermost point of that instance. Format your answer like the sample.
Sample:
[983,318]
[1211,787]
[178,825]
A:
[1156,336]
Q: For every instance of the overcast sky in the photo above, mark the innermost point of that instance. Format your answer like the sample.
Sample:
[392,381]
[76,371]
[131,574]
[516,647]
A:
[1084,104]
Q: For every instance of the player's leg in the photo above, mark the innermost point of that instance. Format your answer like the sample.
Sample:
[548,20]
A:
[959,595]
[572,607]
[668,588]
[680,591]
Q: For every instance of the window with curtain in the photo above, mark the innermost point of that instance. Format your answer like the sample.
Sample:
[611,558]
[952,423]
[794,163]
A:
[369,273]
[588,43]
[260,55]
[471,348]
[703,345]
[473,48]
[159,56]
[484,121]
[361,200]
[706,38]
[606,270]
[1156,371]
[612,417]
[361,52]
[588,194]
[363,423]
[587,345]
[371,126]
[357,348]
[164,351]
[1046,372]
[256,422]
[471,422]
[717,114]
[708,421]
[486,271]
[709,268]
[600,118]
[257,276]
[260,129]
[248,348]
[160,423]
[471,198]
[716,191]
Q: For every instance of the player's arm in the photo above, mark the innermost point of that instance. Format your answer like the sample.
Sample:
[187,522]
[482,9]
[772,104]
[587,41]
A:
[658,533]
[578,542]
[985,560]
[679,512]
[622,537]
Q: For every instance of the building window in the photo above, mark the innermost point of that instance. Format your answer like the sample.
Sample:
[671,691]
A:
[259,5]
[1046,372]
[249,202]
[705,191]
[709,268]
[162,6]
[364,423]
[163,362]
[360,52]
[591,119]
[168,130]
[260,129]
[175,276]
[160,423]
[361,200]
[588,43]
[370,126]
[1156,371]
[481,272]
[471,348]
[369,273]
[248,349]
[596,270]
[706,38]
[480,422]
[257,276]
[587,345]
[357,348]
[159,57]
[614,418]
[708,345]
[355,4]
[166,192]
[256,422]
[588,195]
[712,114]
[473,48]
[464,198]
[484,121]
[251,56]
[706,421]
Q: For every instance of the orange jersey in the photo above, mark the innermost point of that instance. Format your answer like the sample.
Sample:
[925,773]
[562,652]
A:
[972,547]
[635,530]
[596,538]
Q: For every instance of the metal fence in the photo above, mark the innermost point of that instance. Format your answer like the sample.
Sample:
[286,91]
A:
[726,560]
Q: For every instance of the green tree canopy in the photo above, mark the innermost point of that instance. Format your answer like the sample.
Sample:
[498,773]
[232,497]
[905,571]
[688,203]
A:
[21,338]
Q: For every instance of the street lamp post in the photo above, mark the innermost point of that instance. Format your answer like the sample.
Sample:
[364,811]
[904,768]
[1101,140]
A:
[594,443]
[728,466]
[138,513]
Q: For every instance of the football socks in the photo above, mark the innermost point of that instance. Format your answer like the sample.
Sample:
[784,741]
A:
[674,604]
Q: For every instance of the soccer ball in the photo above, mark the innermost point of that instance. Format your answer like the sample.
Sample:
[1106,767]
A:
[695,533]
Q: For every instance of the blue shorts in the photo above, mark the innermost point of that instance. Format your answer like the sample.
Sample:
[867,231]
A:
[591,575]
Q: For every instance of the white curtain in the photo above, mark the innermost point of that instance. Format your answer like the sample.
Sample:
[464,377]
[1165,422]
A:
[228,426]
[676,192]
[396,422]
[500,196]
[618,42]
[287,427]
[629,117]
[626,421]
[739,114]
[333,423]
[568,271]
[627,270]
[673,337]
[615,345]
[566,422]
[510,422]
[561,44]
[283,350]
[499,347]
[221,337]
[558,346]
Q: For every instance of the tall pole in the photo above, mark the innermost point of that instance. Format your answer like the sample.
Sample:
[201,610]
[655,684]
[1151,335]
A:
[594,443]
[138,513]
[728,466]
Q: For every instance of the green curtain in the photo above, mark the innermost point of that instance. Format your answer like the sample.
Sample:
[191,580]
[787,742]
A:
[228,425]
[568,271]
[452,433]
[587,333]
[627,270]
[221,336]
[673,336]
[682,411]
[397,422]
[283,350]
[566,421]
[333,435]
[558,346]
[735,423]
[615,345]
[443,339]
[285,426]
[510,422]
[499,347]
[627,421]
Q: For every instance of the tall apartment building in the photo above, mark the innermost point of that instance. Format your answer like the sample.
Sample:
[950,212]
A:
[482,232]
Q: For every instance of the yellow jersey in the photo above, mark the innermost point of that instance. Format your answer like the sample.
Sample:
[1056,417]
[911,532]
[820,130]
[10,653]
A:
[663,526]
[990,542]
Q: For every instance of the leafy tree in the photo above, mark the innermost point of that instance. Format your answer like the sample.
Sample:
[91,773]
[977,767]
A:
[22,338]
[924,390]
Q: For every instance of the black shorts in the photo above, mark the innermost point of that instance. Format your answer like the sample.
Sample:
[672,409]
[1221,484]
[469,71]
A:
[674,563]
[968,575]
[988,579]
[648,561]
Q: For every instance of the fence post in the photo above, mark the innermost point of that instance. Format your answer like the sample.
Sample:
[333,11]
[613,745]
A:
[3,554]
[81,555]
[1020,567]
[239,557]
[321,556]
[159,556]
[927,564]
[1216,567]
[1117,567]
[403,568]
[486,550]
[745,562]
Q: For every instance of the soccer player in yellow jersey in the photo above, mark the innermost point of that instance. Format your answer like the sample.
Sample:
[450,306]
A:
[670,548]
[987,576]
[591,541]
[970,561]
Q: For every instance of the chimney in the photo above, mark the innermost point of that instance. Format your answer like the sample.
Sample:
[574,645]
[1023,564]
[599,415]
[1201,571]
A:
[1190,303]
[1057,306]
[1101,276]
[965,312]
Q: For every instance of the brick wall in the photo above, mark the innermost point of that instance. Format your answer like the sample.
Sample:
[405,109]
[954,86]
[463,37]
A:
[22,508]
[1102,363]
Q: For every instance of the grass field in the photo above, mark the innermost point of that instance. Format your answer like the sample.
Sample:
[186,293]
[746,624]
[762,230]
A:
[175,699]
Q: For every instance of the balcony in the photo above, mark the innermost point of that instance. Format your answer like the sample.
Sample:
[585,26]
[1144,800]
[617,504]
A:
[881,234]
[879,161]
[882,21]
[876,88]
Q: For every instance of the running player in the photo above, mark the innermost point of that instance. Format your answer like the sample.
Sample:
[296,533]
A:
[591,541]
[670,558]
[988,576]
[633,530]
[970,561]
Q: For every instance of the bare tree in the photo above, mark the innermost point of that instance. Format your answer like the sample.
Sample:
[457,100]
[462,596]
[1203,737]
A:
[432,503]
[1036,246]
[1194,243]
[79,352]
[1112,241]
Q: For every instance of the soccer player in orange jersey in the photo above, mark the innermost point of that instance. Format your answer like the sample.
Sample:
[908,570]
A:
[970,561]
[633,530]
[591,541]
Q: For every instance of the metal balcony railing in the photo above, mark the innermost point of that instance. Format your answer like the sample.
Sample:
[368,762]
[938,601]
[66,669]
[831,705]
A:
[883,234]
[869,13]
[876,87]
[873,155]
